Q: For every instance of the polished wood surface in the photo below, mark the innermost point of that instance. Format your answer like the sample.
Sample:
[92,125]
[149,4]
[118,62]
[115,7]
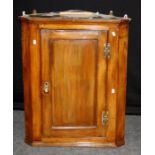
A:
[83,83]
[70,62]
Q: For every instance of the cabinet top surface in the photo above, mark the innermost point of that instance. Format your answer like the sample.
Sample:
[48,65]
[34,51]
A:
[74,15]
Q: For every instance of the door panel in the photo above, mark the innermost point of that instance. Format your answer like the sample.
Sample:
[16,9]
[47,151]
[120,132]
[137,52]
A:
[74,65]
[71,78]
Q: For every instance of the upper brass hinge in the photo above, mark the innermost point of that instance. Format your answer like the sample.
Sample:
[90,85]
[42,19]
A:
[105,117]
[107,50]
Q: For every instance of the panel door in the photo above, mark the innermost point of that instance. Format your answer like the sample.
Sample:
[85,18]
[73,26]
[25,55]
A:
[73,73]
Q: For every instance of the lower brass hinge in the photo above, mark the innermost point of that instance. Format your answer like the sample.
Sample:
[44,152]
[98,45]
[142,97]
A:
[105,117]
[107,50]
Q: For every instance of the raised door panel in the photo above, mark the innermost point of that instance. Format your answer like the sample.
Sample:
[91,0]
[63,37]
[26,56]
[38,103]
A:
[72,77]
[75,69]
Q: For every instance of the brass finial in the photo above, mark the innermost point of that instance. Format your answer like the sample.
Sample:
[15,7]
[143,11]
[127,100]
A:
[111,12]
[125,16]
[34,11]
[23,13]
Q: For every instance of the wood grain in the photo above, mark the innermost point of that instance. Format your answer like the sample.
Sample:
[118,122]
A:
[122,82]
[71,65]
[69,54]
[35,81]
[26,80]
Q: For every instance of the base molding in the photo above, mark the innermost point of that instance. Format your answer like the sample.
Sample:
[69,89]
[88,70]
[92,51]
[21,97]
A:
[120,142]
[75,144]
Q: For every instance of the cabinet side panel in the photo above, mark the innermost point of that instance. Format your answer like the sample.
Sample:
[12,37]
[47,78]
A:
[26,81]
[112,78]
[35,83]
[122,78]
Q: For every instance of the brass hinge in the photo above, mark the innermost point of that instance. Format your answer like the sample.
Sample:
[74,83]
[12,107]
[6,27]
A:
[105,117]
[107,50]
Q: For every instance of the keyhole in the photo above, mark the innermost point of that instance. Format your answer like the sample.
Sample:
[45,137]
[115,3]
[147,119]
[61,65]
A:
[46,87]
